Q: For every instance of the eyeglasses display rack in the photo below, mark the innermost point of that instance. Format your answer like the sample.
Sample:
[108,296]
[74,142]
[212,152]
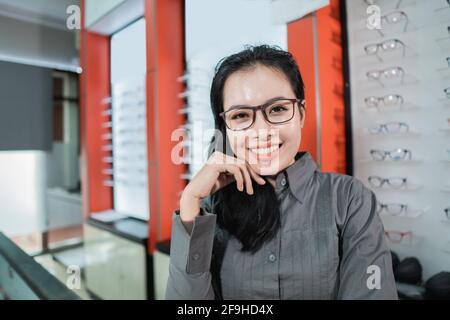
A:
[400,110]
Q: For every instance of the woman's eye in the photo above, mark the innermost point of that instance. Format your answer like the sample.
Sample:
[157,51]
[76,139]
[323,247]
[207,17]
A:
[239,116]
[277,109]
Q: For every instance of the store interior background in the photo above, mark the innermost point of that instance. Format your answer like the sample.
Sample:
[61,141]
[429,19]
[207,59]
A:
[89,120]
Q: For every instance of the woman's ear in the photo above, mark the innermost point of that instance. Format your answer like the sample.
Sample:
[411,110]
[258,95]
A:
[302,113]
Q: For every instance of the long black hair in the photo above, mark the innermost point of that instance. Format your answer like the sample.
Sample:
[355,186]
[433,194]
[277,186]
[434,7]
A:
[252,219]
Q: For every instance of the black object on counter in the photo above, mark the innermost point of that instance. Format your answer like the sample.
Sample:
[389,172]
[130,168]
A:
[409,270]
[438,286]
[395,260]
[128,227]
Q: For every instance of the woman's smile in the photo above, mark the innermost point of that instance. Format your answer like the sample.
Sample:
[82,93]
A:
[264,154]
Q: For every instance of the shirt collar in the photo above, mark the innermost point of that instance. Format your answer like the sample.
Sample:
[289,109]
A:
[297,175]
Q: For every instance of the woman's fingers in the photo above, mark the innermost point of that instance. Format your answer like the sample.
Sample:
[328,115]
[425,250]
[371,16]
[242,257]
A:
[240,169]
[236,171]
[248,179]
[248,172]
[255,176]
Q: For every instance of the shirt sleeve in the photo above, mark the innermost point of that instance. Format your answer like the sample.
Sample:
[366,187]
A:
[366,266]
[190,259]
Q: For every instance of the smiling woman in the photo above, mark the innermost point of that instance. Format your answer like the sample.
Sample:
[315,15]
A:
[259,220]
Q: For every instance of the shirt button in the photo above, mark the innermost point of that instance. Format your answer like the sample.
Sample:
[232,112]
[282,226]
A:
[272,258]
[195,257]
[283,182]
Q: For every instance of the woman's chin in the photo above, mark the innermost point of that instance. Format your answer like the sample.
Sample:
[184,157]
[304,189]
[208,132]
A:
[267,167]
[267,164]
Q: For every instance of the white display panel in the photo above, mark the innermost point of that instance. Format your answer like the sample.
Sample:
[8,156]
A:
[418,55]
[214,30]
[22,192]
[129,133]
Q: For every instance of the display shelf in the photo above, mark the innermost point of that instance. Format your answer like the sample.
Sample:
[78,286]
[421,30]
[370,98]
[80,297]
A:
[398,162]
[410,134]
[408,188]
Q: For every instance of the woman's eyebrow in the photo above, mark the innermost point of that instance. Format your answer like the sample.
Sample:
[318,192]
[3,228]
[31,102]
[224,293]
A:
[248,106]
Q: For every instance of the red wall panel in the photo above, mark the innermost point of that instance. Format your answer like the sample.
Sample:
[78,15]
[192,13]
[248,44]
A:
[325,33]
[165,62]
[301,45]
[94,87]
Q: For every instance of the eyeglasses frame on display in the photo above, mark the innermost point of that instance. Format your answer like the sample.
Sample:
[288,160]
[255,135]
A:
[387,181]
[387,130]
[383,98]
[381,72]
[385,18]
[385,207]
[388,154]
[381,45]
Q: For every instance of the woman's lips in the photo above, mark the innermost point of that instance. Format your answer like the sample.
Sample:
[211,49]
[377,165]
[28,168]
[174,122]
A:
[267,152]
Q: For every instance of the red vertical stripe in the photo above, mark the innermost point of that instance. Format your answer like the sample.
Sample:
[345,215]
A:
[331,87]
[94,87]
[301,45]
[165,62]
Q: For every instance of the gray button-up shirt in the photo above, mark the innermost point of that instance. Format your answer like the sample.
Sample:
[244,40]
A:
[330,245]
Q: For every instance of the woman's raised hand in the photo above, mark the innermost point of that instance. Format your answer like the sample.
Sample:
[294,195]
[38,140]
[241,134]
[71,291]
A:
[219,171]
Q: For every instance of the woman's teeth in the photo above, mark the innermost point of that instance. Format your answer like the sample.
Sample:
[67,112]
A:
[265,150]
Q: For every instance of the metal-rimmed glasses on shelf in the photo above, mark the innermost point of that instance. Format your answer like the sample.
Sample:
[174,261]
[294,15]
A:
[447,92]
[398,236]
[390,127]
[394,18]
[393,182]
[387,74]
[394,155]
[394,209]
[387,46]
[389,100]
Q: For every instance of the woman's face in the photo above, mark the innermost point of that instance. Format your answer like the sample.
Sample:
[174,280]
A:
[268,148]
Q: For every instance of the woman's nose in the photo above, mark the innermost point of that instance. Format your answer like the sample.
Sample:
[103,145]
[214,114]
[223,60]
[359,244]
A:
[261,129]
[261,122]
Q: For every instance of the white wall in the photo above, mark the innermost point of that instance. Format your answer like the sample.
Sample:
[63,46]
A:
[34,44]
[22,192]
[128,70]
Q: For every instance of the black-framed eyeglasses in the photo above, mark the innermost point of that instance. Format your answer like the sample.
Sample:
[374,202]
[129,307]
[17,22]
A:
[275,111]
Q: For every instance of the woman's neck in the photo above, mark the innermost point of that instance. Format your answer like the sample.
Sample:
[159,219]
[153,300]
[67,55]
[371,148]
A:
[273,179]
